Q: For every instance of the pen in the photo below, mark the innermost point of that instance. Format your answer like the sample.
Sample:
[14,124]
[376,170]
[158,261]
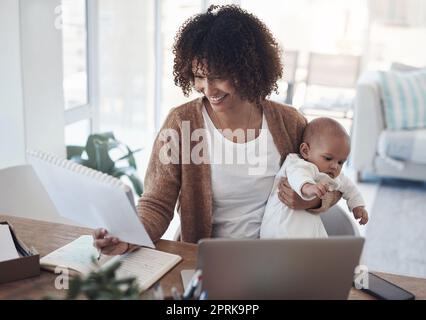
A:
[198,288]
[99,255]
[203,296]
[193,285]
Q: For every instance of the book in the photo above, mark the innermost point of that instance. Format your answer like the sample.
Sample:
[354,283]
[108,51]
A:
[145,264]
[90,198]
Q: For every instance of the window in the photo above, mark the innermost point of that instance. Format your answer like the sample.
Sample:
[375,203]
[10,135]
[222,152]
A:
[128,60]
[401,20]
[76,133]
[125,58]
[74,46]
[173,15]
[78,109]
[323,26]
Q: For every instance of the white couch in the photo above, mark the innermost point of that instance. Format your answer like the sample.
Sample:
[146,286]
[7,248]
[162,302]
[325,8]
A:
[375,150]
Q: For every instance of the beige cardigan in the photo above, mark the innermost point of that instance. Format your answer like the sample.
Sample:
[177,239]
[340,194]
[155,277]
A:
[165,184]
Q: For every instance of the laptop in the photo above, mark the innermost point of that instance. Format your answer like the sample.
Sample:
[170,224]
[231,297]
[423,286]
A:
[278,268]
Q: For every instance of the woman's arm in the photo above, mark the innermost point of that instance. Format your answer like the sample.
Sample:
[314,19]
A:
[162,181]
[162,186]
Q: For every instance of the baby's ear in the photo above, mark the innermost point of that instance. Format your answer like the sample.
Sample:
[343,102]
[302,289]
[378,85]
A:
[304,150]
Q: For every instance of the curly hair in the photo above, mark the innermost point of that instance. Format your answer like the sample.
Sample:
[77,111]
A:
[235,44]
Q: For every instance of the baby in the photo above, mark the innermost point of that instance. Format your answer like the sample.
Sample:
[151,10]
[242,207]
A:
[317,169]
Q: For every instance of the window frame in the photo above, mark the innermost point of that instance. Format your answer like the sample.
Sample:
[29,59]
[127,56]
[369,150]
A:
[89,110]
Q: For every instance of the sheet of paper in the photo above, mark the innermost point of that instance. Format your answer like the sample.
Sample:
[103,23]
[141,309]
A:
[90,202]
[7,246]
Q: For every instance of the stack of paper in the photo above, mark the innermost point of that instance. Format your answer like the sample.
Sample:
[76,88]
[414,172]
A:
[7,246]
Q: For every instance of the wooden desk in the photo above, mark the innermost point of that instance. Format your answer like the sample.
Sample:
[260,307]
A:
[47,236]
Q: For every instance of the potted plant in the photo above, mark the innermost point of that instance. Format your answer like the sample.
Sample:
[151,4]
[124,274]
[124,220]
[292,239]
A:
[97,154]
[103,285]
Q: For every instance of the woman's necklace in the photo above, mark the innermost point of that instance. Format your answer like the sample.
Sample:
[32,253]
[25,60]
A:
[228,133]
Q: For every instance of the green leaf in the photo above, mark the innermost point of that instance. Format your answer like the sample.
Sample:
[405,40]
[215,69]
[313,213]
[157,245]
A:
[104,284]
[74,151]
[75,286]
[98,148]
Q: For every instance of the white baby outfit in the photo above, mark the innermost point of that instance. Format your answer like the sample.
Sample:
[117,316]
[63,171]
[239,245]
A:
[280,221]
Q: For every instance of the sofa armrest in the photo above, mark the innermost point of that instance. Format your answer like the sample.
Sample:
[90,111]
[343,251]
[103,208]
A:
[368,121]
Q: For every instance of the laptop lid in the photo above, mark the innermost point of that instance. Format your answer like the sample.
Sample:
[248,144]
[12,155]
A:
[279,268]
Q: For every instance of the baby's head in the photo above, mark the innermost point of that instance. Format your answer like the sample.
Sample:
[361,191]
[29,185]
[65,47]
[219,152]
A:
[325,144]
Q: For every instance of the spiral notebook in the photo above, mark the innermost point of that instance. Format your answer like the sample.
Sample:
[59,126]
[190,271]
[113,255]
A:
[89,197]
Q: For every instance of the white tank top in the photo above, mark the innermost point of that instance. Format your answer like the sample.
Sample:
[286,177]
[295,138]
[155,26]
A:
[242,178]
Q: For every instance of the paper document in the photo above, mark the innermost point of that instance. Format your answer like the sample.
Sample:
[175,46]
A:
[90,198]
[7,246]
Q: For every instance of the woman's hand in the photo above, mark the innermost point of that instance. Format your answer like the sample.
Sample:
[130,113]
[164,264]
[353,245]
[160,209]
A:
[292,200]
[108,245]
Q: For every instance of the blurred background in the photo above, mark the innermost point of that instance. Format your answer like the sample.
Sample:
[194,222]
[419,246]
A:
[115,60]
[133,60]
[73,68]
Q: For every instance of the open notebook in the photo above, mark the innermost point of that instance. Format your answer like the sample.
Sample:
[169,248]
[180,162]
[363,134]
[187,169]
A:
[146,264]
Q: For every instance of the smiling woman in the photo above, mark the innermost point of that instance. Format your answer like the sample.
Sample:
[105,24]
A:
[231,58]
[236,45]
[223,99]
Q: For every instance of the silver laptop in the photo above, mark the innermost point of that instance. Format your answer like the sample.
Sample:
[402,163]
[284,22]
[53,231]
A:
[279,268]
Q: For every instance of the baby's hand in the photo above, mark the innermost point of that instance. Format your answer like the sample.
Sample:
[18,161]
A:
[362,214]
[311,190]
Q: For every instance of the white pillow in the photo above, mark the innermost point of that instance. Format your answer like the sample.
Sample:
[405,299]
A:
[404,99]
[402,67]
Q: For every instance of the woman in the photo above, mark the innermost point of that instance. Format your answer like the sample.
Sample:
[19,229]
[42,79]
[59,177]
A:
[232,59]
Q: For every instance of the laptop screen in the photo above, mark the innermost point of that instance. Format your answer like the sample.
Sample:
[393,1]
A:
[279,268]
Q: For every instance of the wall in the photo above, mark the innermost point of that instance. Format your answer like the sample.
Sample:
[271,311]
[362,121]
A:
[31,94]
[41,51]
[31,101]
[12,133]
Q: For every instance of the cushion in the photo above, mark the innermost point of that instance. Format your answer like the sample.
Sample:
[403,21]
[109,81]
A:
[404,145]
[402,67]
[404,99]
